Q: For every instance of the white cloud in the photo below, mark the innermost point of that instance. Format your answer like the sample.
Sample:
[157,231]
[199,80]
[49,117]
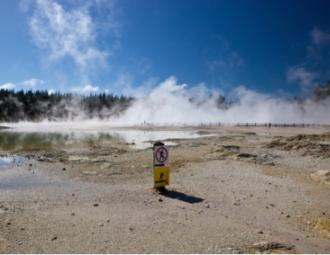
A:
[8,86]
[51,91]
[30,83]
[320,37]
[33,82]
[301,75]
[66,32]
[86,89]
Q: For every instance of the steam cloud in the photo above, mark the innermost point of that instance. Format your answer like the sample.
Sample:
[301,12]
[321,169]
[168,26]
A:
[173,103]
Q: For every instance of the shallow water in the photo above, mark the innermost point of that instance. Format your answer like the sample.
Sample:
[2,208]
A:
[10,160]
[136,139]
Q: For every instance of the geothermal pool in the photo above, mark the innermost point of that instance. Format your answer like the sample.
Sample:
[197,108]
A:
[12,139]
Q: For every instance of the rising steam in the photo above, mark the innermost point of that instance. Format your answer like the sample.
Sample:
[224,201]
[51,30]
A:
[172,103]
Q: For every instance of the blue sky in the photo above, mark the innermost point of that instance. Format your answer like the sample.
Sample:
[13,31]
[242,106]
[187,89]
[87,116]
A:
[100,45]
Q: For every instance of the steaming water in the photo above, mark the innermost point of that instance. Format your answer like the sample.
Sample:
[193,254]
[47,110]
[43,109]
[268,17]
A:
[18,139]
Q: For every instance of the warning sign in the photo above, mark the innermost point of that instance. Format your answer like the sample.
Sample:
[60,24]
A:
[160,155]
[161,176]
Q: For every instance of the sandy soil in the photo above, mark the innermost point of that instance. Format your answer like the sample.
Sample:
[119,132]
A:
[239,190]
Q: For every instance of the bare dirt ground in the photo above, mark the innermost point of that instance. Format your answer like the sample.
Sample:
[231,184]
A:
[239,190]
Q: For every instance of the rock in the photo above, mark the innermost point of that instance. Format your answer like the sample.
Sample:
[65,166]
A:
[269,246]
[105,166]
[268,163]
[89,172]
[78,158]
[233,148]
[54,238]
[96,205]
[322,176]
[246,155]
[160,199]
[41,158]
[63,169]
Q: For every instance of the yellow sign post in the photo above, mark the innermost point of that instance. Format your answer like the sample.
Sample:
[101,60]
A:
[161,176]
[161,171]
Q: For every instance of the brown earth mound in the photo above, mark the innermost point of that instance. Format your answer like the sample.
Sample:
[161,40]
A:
[313,145]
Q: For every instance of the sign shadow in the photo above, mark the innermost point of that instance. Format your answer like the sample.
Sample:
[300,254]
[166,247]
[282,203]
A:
[180,196]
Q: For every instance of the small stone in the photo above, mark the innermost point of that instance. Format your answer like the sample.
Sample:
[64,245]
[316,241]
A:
[260,232]
[63,169]
[131,228]
[268,246]
[160,199]
[54,238]
[207,206]
[101,225]
[288,216]
[73,214]
[96,205]
[89,172]
[322,176]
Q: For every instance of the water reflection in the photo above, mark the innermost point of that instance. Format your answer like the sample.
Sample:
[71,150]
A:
[136,139]
[12,159]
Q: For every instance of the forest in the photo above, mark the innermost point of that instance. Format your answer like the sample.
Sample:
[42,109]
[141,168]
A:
[41,105]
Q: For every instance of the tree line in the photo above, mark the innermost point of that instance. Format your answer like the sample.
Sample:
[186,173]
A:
[42,105]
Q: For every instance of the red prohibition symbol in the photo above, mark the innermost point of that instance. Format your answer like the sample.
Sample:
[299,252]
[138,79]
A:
[161,154]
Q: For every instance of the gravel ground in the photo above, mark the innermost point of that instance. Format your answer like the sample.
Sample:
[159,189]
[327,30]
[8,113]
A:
[229,193]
